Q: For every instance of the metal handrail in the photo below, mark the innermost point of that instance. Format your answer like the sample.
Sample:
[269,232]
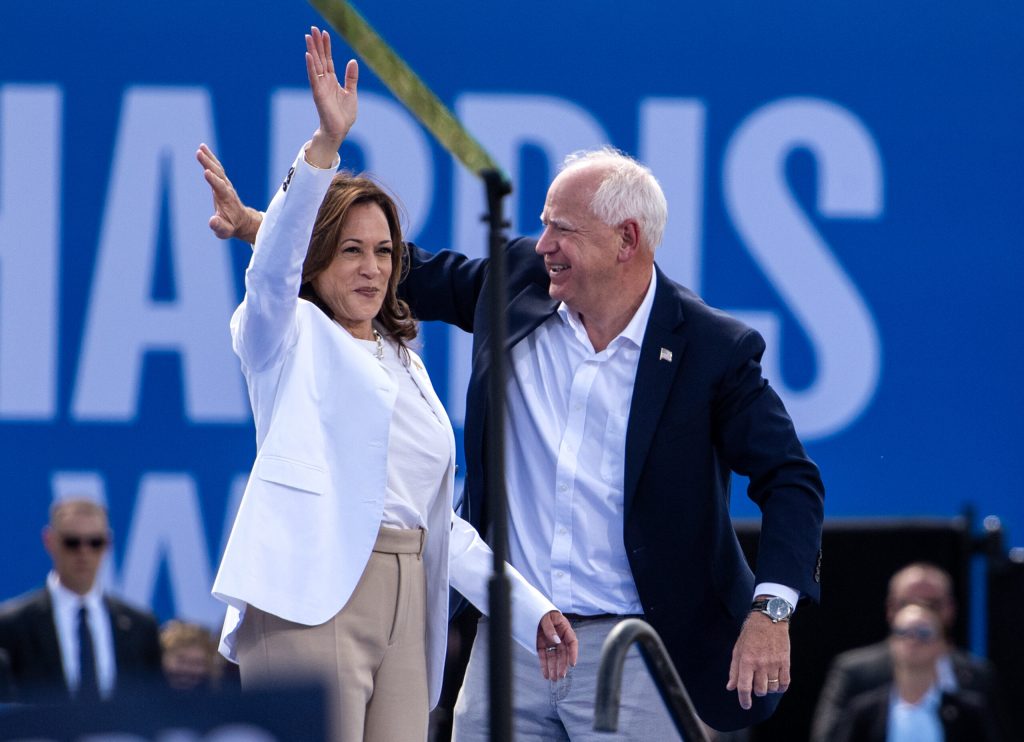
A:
[667,680]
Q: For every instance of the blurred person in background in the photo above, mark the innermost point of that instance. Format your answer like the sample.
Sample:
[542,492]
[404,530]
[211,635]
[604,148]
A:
[190,658]
[867,668]
[70,640]
[914,706]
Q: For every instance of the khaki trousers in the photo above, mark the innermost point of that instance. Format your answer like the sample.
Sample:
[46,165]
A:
[371,657]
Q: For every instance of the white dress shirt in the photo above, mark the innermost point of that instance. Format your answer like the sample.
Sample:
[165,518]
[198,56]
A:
[566,442]
[66,605]
[568,407]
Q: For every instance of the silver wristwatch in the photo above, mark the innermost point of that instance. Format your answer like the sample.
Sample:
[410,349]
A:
[777,609]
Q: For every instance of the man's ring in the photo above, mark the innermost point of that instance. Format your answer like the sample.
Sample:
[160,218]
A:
[551,649]
[773,680]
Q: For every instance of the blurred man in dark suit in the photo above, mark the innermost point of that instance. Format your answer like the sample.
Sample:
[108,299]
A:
[914,708]
[68,640]
[868,668]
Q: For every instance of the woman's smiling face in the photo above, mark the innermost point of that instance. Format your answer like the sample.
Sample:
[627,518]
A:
[356,281]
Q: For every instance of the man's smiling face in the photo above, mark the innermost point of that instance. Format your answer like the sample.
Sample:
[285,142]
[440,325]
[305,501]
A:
[580,251]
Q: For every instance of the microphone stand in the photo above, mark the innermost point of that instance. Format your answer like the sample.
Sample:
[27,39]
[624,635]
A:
[499,597]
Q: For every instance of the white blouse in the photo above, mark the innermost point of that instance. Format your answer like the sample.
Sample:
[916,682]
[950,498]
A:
[418,450]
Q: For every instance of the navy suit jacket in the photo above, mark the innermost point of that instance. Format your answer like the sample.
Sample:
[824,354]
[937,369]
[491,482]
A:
[29,636]
[693,420]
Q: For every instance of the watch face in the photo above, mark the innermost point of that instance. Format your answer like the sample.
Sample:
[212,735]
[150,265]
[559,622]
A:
[778,608]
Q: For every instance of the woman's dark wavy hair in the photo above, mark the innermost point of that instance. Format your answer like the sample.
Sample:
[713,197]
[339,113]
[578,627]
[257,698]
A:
[348,190]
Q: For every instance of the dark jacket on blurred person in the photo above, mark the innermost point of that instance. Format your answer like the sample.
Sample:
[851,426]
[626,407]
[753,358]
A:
[865,669]
[29,636]
[964,716]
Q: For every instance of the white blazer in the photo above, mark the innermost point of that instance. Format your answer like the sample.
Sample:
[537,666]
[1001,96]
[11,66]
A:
[322,406]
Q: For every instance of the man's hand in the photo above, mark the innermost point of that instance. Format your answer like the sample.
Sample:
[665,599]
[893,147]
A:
[557,647]
[231,218]
[760,659]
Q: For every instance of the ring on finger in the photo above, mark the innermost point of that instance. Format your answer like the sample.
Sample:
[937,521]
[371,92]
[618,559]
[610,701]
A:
[551,649]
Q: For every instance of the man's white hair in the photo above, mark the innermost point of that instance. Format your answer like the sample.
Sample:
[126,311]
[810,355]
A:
[628,190]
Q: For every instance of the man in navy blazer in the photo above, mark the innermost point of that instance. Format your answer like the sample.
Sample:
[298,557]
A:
[631,403]
[699,410]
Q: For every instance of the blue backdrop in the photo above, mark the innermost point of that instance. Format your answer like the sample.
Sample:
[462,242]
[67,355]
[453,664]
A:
[846,178]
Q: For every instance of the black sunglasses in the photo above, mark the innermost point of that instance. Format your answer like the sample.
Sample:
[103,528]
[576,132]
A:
[922,634]
[74,543]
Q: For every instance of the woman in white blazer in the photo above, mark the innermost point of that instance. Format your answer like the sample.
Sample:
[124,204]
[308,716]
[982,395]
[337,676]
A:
[340,557]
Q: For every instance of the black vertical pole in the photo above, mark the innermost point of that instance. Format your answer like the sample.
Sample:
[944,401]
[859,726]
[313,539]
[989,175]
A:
[499,598]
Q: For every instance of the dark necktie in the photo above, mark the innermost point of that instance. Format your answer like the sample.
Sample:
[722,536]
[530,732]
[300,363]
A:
[88,689]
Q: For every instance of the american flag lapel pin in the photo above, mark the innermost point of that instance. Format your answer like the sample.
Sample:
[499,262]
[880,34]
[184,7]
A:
[665,355]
